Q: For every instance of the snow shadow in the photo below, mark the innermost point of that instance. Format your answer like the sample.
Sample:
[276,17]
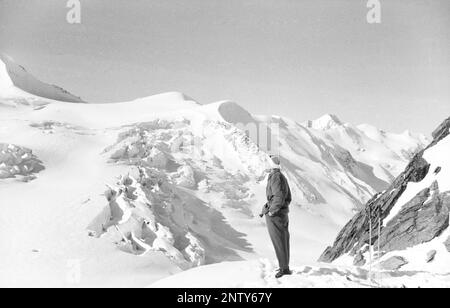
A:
[151,214]
[220,239]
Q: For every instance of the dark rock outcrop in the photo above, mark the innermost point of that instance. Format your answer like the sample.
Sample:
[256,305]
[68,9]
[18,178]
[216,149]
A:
[420,220]
[359,259]
[356,233]
[441,132]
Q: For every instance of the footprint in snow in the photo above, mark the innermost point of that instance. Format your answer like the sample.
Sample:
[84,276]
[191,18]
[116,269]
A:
[268,272]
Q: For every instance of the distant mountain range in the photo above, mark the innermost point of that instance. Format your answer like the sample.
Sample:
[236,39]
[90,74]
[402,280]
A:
[185,182]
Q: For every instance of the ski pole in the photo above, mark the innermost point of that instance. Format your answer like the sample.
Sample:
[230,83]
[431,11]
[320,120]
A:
[379,240]
[370,245]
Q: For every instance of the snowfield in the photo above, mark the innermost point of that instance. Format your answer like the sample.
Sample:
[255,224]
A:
[127,194]
[260,274]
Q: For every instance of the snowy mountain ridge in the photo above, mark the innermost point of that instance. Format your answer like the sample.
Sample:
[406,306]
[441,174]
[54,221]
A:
[184,184]
[327,121]
[17,82]
[405,226]
[411,248]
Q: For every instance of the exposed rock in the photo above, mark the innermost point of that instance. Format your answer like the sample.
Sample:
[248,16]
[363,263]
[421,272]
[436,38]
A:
[441,132]
[446,199]
[393,263]
[365,249]
[359,259]
[422,219]
[417,170]
[355,233]
[430,256]
[419,221]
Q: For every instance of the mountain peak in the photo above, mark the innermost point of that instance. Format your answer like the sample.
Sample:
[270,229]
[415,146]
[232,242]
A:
[168,97]
[325,122]
[14,75]
[229,111]
[234,113]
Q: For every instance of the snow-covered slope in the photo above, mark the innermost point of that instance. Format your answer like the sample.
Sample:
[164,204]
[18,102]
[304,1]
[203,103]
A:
[337,163]
[184,183]
[17,86]
[260,274]
[412,248]
[372,146]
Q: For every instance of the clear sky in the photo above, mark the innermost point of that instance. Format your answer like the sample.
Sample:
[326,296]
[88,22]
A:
[295,58]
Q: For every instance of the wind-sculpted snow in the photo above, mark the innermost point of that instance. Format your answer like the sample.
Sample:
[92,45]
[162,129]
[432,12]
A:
[163,144]
[152,214]
[155,213]
[17,161]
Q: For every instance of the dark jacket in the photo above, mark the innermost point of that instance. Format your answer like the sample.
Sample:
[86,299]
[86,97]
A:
[278,194]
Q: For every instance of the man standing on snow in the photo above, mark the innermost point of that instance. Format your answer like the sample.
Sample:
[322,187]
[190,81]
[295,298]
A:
[276,211]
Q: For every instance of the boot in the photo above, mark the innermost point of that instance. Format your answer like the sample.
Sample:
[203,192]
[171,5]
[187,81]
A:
[281,273]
